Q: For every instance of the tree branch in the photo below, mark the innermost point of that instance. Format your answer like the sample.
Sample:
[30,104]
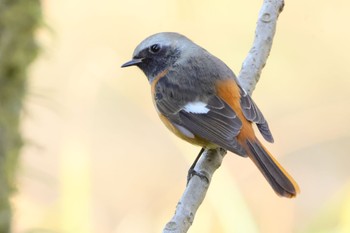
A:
[211,160]
[258,54]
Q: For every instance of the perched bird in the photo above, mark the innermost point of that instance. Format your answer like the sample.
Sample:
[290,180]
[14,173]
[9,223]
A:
[199,98]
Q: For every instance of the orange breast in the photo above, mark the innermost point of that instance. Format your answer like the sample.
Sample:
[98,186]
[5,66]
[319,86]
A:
[154,84]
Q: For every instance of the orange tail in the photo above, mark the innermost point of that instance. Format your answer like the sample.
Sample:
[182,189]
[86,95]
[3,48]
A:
[281,182]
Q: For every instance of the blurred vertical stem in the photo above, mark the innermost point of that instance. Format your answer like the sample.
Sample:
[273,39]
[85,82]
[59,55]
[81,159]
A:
[19,20]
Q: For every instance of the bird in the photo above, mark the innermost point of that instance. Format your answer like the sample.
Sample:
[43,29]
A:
[198,98]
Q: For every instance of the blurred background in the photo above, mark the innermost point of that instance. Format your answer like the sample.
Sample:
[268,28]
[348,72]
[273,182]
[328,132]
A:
[97,158]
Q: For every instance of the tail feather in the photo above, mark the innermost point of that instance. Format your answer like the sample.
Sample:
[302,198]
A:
[282,183]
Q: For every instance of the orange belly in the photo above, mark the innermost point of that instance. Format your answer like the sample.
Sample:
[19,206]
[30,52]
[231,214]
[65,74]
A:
[195,140]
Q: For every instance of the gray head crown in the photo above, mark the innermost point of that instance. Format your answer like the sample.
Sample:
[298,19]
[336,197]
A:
[164,39]
[164,50]
[160,51]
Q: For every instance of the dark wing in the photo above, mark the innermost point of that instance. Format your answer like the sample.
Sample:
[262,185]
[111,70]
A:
[218,123]
[253,114]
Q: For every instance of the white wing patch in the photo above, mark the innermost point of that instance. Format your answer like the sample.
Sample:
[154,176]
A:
[197,107]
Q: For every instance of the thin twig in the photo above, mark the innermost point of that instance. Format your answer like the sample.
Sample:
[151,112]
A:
[211,160]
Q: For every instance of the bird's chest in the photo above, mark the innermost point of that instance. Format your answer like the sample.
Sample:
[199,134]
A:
[179,89]
[172,92]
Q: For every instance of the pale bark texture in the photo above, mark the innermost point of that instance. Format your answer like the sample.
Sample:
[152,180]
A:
[255,61]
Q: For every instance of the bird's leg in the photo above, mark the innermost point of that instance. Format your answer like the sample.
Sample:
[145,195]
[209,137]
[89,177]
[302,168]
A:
[192,172]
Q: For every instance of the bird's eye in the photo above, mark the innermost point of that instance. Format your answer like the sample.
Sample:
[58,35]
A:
[154,48]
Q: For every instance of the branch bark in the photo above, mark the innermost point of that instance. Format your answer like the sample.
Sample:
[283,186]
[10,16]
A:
[258,54]
[211,160]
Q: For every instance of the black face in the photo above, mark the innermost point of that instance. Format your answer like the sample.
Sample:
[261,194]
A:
[156,58]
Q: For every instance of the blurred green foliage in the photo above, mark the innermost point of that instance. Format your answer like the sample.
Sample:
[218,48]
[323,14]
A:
[19,20]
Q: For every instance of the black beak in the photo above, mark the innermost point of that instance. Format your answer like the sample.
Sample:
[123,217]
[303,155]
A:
[133,62]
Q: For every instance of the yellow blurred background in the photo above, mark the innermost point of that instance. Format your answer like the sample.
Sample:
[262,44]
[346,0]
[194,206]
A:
[97,159]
